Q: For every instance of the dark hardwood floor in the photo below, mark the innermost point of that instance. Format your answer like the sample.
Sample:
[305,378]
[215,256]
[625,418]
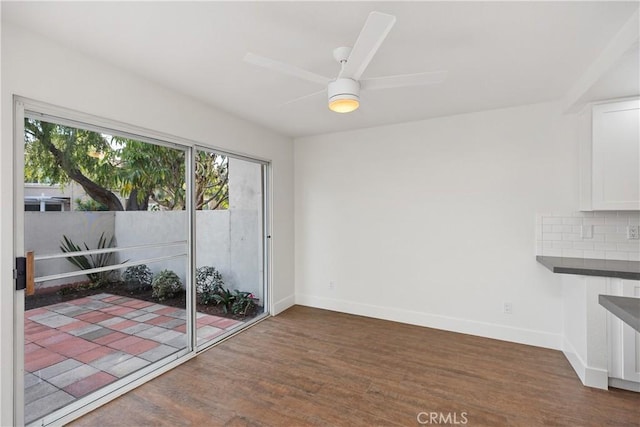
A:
[315,367]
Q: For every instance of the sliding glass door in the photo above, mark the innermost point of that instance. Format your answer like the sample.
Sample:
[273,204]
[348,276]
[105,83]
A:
[230,243]
[137,251]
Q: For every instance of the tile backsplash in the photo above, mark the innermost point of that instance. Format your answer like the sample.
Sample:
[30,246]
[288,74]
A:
[559,234]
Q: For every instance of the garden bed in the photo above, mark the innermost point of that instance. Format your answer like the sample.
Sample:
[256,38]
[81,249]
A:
[81,290]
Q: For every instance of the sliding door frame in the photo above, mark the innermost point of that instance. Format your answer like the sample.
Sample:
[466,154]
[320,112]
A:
[25,107]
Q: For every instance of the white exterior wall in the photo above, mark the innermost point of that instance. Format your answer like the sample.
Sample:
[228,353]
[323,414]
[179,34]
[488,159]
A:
[86,84]
[431,222]
[44,231]
[245,226]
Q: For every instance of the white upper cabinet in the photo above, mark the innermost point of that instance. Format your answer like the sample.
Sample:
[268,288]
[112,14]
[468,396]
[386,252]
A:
[610,156]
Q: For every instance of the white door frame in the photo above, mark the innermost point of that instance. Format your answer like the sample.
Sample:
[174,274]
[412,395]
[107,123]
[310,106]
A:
[90,122]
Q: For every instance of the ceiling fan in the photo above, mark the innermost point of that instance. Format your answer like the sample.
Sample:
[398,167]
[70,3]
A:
[344,90]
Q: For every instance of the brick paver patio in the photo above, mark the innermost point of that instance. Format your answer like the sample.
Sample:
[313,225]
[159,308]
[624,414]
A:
[77,347]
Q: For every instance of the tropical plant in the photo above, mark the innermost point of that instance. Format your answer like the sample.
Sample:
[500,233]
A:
[166,284]
[138,277]
[243,302]
[89,262]
[225,298]
[208,283]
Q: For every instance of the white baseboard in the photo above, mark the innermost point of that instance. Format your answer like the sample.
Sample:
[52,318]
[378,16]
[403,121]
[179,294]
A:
[283,304]
[591,377]
[453,324]
[624,384]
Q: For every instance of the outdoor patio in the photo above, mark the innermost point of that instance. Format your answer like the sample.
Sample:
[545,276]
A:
[77,347]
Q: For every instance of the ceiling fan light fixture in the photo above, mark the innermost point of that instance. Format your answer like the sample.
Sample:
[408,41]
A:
[344,95]
[344,104]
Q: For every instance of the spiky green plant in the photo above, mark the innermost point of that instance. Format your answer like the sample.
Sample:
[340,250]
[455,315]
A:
[89,262]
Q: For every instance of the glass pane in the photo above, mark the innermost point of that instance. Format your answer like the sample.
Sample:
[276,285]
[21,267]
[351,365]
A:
[119,304]
[230,289]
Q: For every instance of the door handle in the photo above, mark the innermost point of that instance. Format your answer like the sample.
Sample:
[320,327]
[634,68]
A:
[25,273]
[31,286]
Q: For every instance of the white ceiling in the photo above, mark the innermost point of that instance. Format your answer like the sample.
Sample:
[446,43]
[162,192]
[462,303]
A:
[497,54]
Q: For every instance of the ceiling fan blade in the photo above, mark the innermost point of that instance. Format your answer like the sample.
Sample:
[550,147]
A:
[288,69]
[303,97]
[373,33]
[403,80]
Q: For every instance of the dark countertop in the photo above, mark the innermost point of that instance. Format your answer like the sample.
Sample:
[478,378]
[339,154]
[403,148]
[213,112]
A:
[626,309]
[592,267]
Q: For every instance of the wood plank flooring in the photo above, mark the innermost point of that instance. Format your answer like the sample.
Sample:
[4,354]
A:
[316,367]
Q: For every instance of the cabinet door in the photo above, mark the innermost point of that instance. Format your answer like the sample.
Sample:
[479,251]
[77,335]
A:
[631,339]
[616,156]
[624,341]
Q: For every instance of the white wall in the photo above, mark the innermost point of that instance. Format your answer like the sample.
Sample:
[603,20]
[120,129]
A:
[44,231]
[432,222]
[35,68]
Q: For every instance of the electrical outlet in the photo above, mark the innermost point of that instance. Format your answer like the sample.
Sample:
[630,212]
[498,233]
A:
[332,285]
[508,308]
[633,232]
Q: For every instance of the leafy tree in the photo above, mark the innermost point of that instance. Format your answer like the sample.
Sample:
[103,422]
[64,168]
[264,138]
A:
[139,171]
[58,154]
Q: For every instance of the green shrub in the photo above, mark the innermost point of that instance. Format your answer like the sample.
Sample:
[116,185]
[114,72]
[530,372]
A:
[166,284]
[208,283]
[243,302]
[236,302]
[138,277]
[225,298]
[90,205]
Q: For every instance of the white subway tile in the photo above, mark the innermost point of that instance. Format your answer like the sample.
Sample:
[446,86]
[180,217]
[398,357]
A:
[551,236]
[616,220]
[547,228]
[594,254]
[572,253]
[570,236]
[562,245]
[551,220]
[605,246]
[634,256]
[629,247]
[552,252]
[622,229]
[572,221]
[622,256]
[561,228]
[634,217]
[547,245]
[609,214]
[605,229]
[597,238]
[576,229]
[593,221]
[583,245]
[616,237]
